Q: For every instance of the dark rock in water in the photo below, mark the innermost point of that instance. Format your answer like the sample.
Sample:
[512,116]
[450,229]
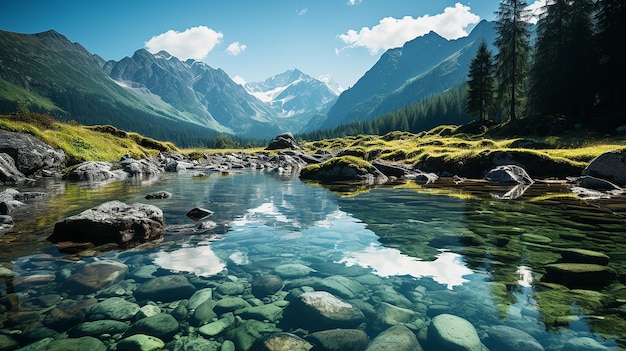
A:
[610,165]
[158,195]
[397,338]
[30,154]
[283,141]
[502,337]
[248,332]
[323,310]
[6,222]
[140,342]
[67,314]
[339,340]
[508,175]
[162,326]
[594,183]
[8,343]
[281,342]
[96,276]
[97,328]
[584,256]
[111,222]
[579,275]
[198,213]
[266,285]
[94,171]
[166,289]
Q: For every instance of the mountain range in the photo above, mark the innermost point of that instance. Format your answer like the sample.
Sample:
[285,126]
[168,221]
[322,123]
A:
[188,101]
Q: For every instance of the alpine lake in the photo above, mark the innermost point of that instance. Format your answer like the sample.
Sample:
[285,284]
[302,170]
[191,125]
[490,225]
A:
[402,254]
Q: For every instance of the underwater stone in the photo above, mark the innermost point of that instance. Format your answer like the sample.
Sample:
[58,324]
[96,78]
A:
[248,332]
[341,286]
[96,276]
[162,326]
[451,332]
[397,338]
[293,270]
[265,285]
[584,256]
[339,340]
[389,315]
[579,275]
[115,308]
[204,313]
[230,288]
[199,297]
[584,344]
[166,289]
[502,337]
[140,342]
[97,328]
[76,344]
[215,328]
[269,312]
[282,342]
[230,304]
[323,310]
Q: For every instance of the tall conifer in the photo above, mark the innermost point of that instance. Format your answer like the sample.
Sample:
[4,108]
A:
[480,83]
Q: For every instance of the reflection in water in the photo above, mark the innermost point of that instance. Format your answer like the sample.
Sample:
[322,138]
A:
[186,260]
[447,269]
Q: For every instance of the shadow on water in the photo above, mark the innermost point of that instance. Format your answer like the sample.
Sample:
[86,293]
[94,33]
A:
[473,250]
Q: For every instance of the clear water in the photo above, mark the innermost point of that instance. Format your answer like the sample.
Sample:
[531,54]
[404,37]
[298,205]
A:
[447,248]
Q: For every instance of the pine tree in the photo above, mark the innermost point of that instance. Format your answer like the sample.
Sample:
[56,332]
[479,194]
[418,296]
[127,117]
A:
[612,72]
[480,83]
[513,44]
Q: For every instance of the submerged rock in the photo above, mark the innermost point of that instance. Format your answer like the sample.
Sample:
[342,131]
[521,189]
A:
[451,332]
[162,326]
[111,222]
[96,276]
[323,311]
[397,338]
[502,337]
[579,275]
[282,342]
[265,285]
[339,340]
[167,288]
[140,342]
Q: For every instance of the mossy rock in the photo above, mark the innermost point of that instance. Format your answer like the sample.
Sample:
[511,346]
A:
[580,275]
[344,168]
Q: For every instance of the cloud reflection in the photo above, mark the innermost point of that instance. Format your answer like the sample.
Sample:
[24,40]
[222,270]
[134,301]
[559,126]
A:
[200,260]
[447,269]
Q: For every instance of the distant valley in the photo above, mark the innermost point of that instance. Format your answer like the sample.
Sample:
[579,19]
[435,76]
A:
[189,102]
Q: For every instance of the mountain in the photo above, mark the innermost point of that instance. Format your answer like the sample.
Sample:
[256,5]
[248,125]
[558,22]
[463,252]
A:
[422,67]
[158,95]
[295,96]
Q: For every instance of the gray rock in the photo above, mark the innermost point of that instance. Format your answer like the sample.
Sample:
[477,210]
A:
[323,310]
[158,195]
[451,332]
[339,340]
[508,175]
[198,213]
[610,166]
[8,171]
[147,311]
[502,337]
[389,315]
[111,222]
[215,328]
[115,308]
[140,169]
[199,297]
[204,313]
[140,342]
[340,286]
[193,343]
[162,326]
[397,338]
[166,289]
[283,141]
[94,171]
[30,154]
[282,342]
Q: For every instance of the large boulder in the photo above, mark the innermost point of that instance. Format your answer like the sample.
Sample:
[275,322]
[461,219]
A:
[8,171]
[95,171]
[450,332]
[30,154]
[398,338]
[501,337]
[283,141]
[610,166]
[96,276]
[580,275]
[111,222]
[141,169]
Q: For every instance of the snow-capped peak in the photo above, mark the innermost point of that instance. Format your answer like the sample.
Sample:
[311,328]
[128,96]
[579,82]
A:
[331,84]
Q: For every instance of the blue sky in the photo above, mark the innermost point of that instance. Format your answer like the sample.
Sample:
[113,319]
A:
[250,39]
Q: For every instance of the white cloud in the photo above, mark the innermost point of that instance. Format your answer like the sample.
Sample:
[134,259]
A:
[392,32]
[195,42]
[239,80]
[236,48]
[302,11]
[354,2]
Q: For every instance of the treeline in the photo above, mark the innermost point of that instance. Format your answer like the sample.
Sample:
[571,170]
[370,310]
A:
[574,69]
[445,108]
